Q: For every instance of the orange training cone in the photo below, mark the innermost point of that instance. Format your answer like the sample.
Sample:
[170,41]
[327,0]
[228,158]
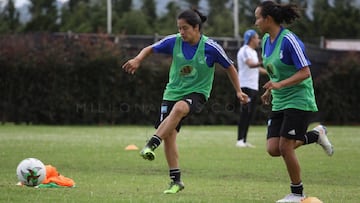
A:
[311,200]
[131,147]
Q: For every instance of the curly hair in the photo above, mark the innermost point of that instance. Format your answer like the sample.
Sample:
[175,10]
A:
[280,12]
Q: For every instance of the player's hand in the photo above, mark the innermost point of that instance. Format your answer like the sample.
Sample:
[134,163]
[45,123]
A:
[272,85]
[266,97]
[244,99]
[131,65]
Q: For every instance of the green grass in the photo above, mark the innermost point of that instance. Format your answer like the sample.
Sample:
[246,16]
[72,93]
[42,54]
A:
[213,169]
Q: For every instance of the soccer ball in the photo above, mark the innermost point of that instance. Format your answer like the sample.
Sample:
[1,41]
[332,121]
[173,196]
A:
[31,172]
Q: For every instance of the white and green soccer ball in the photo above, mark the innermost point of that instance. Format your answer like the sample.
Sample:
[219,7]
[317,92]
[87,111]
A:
[31,172]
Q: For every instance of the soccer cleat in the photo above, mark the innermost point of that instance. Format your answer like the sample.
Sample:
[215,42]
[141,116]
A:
[175,187]
[147,153]
[240,143]
[323,140]
[291,198]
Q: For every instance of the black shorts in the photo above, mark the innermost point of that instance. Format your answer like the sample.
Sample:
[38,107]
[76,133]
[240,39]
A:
[196,102]
[289,123]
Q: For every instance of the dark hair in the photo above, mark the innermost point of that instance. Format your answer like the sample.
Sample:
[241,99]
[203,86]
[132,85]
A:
[193,17]
[280,12]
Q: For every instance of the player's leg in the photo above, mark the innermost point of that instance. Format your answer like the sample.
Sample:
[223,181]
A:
[169,124]
[148,151]
[195,102]
[171,150]
[272,146]
[177,113]
[287,150]
[172,158]
[319,135]
[171,114]
[273,133]
[294,127]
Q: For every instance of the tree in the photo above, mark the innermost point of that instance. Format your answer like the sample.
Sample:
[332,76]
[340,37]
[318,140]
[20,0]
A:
[72,4]
[84,17]
[331,21]
[9,18]
[121,6]
[246,14]
[341,21]
[76,18]
[44,16]
[98,18]
[167,23]
[149,9]
[133,22]
[193,3]
[218,19]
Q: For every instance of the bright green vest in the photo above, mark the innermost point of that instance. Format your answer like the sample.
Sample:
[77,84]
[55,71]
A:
[189,76]
[300,96]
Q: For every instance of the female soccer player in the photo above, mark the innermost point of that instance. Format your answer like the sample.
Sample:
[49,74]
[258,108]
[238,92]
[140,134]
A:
[190,82]
[292,92]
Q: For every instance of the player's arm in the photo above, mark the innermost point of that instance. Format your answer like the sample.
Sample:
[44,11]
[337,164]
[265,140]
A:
[164,46]
[266,97]
[294,52]
[232,74]
[298,77]
[219,56]
[133,64]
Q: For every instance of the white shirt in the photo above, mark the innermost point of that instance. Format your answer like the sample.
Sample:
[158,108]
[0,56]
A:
[249,77]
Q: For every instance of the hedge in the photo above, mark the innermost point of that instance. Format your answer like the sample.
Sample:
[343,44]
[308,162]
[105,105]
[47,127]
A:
[67,79]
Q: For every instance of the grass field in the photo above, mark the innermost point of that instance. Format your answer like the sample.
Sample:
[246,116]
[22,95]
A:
[213,169]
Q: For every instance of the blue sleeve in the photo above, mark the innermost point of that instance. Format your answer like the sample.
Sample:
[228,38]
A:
[294,52]
[165,46]
[215,54]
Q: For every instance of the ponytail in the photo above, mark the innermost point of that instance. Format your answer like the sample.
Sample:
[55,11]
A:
[280,12]
[202,17]
[193,17]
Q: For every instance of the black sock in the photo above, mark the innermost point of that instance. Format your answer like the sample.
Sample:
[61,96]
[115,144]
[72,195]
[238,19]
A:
[154,142]
[175,174]
[311,137]
[297,188]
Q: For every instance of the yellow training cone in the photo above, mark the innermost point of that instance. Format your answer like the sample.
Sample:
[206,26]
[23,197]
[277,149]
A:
[131,147]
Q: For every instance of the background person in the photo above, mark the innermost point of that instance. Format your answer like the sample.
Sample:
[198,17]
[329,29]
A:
[248,73]
[291,89]
[190,83]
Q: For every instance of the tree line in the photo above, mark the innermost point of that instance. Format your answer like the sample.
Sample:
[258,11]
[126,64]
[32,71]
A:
[339,20]
[50,77]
